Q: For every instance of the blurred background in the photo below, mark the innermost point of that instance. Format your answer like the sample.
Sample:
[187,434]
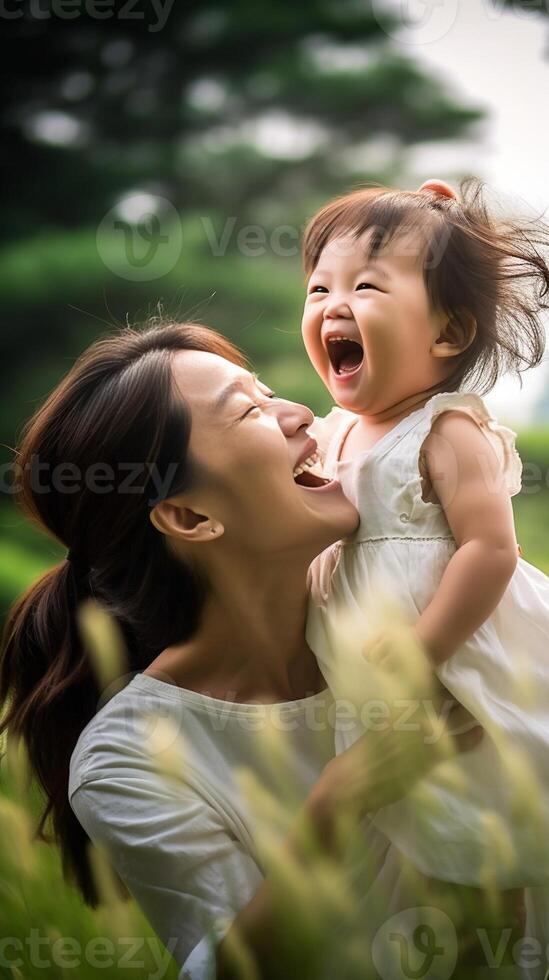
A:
[163,157]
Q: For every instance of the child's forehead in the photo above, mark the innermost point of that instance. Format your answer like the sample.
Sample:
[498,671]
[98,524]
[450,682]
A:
[404,246]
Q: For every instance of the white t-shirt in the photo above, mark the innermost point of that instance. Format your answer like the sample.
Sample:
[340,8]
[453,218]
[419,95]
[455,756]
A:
[184,846]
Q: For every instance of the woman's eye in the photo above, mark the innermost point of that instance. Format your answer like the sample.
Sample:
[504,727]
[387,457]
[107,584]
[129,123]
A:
[252,408]
[257,408]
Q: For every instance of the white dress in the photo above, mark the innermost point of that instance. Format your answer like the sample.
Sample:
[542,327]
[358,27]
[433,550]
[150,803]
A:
[484,817]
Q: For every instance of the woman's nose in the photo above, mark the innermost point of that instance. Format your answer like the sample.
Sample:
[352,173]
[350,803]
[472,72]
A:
[292,416]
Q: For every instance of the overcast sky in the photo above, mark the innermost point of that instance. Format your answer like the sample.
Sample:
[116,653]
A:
[500,60]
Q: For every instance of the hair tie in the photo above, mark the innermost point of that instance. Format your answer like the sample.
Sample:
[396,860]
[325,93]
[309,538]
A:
[78,566]
[438,187]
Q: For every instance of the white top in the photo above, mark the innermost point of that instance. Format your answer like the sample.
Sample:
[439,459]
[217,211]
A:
[185,839]
[488,811]
[185,847]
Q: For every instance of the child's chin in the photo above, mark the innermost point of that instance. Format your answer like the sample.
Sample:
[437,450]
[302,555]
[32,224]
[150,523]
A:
[351,399]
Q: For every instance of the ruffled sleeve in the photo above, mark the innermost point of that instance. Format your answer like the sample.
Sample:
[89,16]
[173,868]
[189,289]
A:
[499,436]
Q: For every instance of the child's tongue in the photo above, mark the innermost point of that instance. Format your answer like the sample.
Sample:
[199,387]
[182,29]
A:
[350,361]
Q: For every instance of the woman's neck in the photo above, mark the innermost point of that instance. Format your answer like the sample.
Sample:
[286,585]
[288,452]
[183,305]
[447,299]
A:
[250,645]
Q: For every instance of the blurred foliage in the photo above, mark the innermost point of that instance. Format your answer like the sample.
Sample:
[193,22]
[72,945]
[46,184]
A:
[46,928]
[164,99]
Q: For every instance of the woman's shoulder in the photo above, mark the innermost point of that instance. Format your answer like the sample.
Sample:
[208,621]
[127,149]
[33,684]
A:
[109,737]
[137,727]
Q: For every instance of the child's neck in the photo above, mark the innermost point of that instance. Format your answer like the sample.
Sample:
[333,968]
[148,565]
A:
[372,426]
[394,413]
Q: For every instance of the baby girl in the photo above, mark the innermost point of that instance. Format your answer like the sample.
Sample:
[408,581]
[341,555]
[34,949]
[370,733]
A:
[416,303]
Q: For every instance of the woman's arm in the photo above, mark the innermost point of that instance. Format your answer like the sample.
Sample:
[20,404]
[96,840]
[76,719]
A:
[468,481]
[376,770]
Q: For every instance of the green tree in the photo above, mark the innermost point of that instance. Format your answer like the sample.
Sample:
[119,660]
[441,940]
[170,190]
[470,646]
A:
[175,100]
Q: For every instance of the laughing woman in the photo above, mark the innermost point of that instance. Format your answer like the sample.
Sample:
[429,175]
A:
[201,558]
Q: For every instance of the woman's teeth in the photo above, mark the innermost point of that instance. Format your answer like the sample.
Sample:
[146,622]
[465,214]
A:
[307,464]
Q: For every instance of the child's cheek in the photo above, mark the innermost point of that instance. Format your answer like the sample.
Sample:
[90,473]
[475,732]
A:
[310,330]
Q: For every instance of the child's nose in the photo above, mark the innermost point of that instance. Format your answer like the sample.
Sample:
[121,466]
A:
[337,308]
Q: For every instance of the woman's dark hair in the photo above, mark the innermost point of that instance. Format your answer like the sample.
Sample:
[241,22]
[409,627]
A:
[110,440]
[492,269]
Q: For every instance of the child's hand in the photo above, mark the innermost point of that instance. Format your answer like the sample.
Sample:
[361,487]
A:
[380,651]
[387,648]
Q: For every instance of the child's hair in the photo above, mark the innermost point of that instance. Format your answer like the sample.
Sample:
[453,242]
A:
[492,268]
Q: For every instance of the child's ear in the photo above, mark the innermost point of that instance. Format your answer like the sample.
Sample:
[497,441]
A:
[433,186]
[456,336]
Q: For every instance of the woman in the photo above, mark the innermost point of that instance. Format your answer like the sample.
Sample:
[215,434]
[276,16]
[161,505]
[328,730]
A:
[167,469]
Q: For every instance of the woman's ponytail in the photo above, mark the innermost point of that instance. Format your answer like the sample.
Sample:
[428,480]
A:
[50,690]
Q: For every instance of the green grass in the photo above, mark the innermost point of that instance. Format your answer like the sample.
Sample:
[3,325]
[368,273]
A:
[52,933]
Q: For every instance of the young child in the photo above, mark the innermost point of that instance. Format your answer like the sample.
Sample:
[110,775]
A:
[416,302]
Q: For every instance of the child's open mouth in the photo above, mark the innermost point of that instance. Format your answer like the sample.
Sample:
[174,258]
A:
[346,356]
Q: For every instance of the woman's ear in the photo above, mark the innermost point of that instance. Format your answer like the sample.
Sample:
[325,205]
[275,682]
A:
[433,186]
[456,335]
[175,520]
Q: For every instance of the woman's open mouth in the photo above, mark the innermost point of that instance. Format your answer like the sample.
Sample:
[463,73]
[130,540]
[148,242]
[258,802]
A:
[346,355]
[305,477]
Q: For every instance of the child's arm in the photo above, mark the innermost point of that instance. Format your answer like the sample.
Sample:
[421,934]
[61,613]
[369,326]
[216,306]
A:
[467,479]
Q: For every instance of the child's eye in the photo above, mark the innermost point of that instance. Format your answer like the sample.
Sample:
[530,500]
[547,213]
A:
[319,289]
[366,285]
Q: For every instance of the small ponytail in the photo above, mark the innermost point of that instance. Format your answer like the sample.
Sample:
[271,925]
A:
[118,410]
